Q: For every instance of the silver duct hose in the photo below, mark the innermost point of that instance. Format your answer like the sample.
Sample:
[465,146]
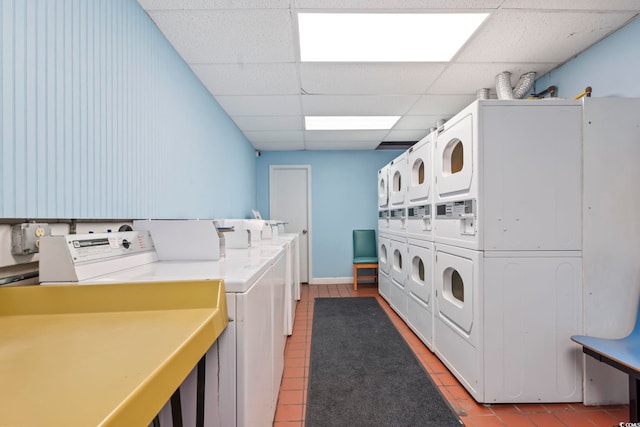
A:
[503,85]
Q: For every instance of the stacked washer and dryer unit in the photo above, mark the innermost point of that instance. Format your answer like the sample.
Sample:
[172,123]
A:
[480,247]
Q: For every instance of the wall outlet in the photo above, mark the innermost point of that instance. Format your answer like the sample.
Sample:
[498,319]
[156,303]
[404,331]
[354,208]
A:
[25,238]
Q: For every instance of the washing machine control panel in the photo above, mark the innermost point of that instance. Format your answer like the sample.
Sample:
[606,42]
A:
[456,210]
[397,213]
[101,246]
[419,212]
[383,214]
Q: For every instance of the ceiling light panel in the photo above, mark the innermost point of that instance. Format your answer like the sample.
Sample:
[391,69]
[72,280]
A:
[384,37]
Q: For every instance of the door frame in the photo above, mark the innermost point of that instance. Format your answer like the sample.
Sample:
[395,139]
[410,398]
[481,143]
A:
[272,169]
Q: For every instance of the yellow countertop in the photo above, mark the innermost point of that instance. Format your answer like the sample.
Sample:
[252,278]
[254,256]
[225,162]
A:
[101,355]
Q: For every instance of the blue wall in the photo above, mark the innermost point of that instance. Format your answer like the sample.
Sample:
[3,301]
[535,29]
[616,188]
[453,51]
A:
[100,118]
[611,67]
[344,197]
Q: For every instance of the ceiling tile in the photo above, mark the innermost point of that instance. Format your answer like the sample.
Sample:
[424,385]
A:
[525,36]
[587,5]
[341,145]
[468,78]
[445,106]
[229,36]
[275,136]
[251,123]
[406,135]
[279,146]
[395,5]
[249,79]
[209,4]
[345,135]
[364,105]
[416,122]
[369,78]
[287,105]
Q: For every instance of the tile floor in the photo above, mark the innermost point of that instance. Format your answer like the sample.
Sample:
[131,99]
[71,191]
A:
[293,391]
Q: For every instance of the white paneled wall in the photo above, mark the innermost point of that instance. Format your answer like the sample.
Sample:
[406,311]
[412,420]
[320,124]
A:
[100,118]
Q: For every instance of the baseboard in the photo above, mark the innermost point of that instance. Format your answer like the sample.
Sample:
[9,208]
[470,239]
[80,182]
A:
[337,280]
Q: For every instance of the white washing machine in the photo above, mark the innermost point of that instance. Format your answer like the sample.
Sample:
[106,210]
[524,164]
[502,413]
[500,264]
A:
[504,320]
[421,299]
[500,185]
[244,367]
[384,264]
[398,178]
[398,298]
[383,187]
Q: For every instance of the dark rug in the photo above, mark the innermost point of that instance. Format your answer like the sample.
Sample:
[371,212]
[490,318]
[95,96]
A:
[363,373]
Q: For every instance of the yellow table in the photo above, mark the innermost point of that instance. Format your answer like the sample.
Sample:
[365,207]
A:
[108,355]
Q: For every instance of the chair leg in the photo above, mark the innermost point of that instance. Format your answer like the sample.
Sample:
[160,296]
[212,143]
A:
[355,277]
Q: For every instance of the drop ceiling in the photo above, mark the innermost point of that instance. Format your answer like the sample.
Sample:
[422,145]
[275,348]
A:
[246,54]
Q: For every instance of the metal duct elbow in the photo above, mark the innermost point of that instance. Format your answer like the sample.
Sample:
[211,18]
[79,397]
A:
[503,85]
[524,84]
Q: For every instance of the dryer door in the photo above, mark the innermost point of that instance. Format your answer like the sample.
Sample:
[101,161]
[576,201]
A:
[420,281]
[455,283]
[398,262]
[383,187]
[398,181]
[454,158]
[384,251]
[420,172]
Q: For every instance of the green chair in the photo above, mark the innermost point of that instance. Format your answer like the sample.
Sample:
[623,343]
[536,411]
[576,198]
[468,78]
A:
[365,254]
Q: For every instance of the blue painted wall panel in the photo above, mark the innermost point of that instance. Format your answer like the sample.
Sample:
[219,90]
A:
[611,67]
[102,119]
[344,197]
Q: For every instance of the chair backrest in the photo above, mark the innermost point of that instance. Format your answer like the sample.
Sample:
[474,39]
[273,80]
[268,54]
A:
[364,243]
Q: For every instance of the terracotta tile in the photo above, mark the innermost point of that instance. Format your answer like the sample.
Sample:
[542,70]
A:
[574,419]
[501,409]
[288,413]
[290,397]
[292,384]
[620,412]
[516,420]
[296,353]
[445,378]
[602,418]
[545,420]
[292,372]
[471,407]
[531,408]
[296,362]
[486,421]
[288,424]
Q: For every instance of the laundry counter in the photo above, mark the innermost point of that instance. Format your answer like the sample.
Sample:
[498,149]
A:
[108,355]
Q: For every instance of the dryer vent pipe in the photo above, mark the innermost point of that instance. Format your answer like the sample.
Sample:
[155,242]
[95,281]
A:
[503,85]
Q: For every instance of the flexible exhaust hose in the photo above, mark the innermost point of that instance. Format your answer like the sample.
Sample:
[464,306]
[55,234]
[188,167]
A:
[503,85]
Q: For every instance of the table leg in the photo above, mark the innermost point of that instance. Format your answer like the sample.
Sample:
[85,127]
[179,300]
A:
[634,403]
[176,408]
[202,364]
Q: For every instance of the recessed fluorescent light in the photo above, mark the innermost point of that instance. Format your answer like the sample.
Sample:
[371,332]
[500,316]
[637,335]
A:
[350,122]
[384,37]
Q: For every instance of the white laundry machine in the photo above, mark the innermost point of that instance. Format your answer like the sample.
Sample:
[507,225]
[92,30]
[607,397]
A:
[244,367]
[383,187]
[420,171]
[398,298]
[398,174]
[383,220]
[384,264]
[499,185]
[421,298]
[504,320]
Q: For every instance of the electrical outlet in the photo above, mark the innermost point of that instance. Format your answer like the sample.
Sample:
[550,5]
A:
[25,238]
